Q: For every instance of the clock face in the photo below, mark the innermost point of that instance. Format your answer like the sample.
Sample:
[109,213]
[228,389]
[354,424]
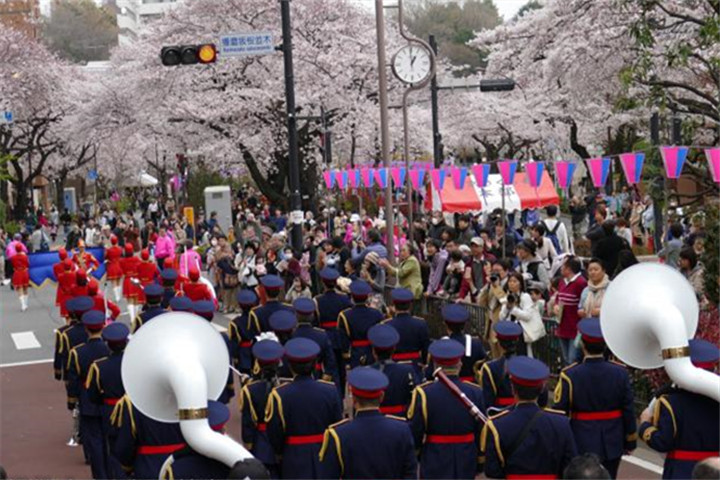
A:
[412,64]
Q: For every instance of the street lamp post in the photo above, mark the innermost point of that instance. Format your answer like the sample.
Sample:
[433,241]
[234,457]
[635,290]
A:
[296,215]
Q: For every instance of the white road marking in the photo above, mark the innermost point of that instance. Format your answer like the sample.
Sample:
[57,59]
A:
[22,364]
[643,464]
[25,340]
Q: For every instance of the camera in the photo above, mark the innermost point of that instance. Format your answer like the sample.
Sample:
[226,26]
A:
[494,278]
[512,298]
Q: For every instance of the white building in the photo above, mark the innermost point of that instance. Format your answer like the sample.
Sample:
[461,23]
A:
[133,14]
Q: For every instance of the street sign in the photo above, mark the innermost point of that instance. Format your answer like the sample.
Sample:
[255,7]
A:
[297,217]
[6,117]
[92,175]
[246,44]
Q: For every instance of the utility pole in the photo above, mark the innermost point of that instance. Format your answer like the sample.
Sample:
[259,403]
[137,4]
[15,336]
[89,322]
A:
[437,138]
[657,207]
[296,214]
[384,133]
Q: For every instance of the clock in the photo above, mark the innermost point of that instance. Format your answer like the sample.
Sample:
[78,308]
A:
[412,64]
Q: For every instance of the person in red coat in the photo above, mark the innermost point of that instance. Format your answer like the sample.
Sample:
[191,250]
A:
[85,260]
[195,289]
[148,270]
[566,308]
[66,282]
[58,270]
[114,271]
[101,304]
[80,289]
[132,290]
[21,277]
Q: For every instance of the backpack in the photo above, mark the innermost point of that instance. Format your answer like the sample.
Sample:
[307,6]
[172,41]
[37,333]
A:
[552,236]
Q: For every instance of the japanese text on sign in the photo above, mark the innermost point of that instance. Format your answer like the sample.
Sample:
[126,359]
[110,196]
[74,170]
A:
[243,44]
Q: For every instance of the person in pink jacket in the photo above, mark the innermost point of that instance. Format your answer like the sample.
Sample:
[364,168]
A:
[164,246]
[189,259]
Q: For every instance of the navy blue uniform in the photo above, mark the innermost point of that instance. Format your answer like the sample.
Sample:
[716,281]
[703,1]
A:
[79,362]
[253,403]
[471,361]
[143,444]
[598,397]
[414,339]
[329,306]
[73,336]
[354,324]
[146,315]
[685,426]
[168,294]
[326,366]
[242,339]
[259,317]
[402,381]
[105,388]
[547,448]
[60,354]
[371,446]
[297,415]
[190,464]
[497,390]
[444,430]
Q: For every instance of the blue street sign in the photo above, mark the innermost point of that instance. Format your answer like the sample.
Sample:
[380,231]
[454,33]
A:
[92,175]
[245,44]
[7,117]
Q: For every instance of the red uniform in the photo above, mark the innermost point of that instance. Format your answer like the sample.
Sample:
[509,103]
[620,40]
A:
[59,271]
[21,274]
[130,267]
[148,272]
[113,255]
[86,261]
[66,282]
[99,300]
[197,291]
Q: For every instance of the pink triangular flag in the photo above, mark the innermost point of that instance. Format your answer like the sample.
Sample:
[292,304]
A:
[482,174]
[417,175]
[329,179]
[713,158]
[674,160]
[507,171]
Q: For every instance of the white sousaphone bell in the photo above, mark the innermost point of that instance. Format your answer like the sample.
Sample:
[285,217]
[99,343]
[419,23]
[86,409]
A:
[648,314]
[170,369]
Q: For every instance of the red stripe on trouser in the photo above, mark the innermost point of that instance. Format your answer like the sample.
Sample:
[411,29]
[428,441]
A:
[304,439]
[360,343]
[504,401]
[261,427]
[111,401]
[691,455]
[160,449]
[392,409]
[406,356]
[246,344]
[606,415]
[329,325]
[467,438]
[467,379]
[547,476]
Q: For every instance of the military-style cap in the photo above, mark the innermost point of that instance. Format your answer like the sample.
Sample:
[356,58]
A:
[247,298]
[383,337]
[300,350]
[169,274]
[272,282]
[454,313]
[283,321]
[329,275]
[527,372]
[145,254]
[507,330]
[181,304]
[360,289]
[204,308]
[304,306]
[93,320]
[194,274]
[67,264]
[367,382]
[81,275]
[268,351]
[446,351]
[218,414]
[79,305]
[153,291]
[116,332]
[129,248]
[402,296]
[93,287]
[703,354]
[589,329]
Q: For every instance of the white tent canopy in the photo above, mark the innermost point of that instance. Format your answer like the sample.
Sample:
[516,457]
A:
[142,179]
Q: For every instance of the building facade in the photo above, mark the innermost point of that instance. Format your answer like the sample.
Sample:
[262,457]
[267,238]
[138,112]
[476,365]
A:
[132,15]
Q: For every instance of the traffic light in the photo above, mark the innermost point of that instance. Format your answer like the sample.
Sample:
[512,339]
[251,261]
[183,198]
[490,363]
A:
[188,54]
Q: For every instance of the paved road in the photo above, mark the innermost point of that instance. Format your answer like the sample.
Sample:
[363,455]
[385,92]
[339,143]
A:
[34,424]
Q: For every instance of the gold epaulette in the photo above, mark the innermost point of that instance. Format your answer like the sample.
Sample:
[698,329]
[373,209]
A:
[337,424]
[328,382]
[470,382]
[499,414]
[552,410]
[619,364]
[395,417]
[574,364]
[426,383]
